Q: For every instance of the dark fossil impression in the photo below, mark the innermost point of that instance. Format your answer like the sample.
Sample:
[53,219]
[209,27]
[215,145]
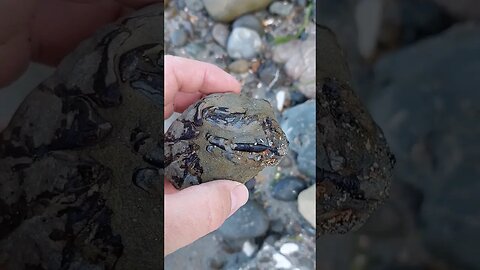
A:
[223,136]
[71,151]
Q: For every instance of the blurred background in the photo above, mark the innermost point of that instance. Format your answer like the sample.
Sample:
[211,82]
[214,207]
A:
[416,65]
[269,46]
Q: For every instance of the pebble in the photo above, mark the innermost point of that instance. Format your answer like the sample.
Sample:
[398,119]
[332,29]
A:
[238,66]
[249,21]
[220,34]
[195,5]
[434,132]
[228,10]
[281,262]
[179,37]
[243,43]
[298,123]
[280,98]
[300,63]
[306,205]
[287,189]
[288,248]
[248,222]
[281,8]
[248,248]
[270,74]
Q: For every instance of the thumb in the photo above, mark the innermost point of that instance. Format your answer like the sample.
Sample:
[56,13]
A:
[198,210]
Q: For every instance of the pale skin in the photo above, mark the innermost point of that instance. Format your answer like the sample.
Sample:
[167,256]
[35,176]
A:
[46,30]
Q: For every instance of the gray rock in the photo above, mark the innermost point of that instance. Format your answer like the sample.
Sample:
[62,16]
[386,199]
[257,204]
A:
[287,189]
[299,125]
[300,63]
[244,43]
[354,163]
[220,34]
[433,129]
[228,10]
[195,5]
[249,21]
[281,8]
[178,37]
[248,222]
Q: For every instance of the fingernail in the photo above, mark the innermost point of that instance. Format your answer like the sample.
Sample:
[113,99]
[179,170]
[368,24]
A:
[238,197]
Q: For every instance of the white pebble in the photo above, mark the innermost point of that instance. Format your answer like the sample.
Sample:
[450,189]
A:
[280,100]
[288,248]
[248,248]
[281,262]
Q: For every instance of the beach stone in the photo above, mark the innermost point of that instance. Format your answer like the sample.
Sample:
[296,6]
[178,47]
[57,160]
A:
[249,21]
[287,189]
[306,205]
[248,222]
[354,162]
[223,136]
[244,43]
[220,34]
[281,8]
[433,131]
[299,125]
[228,10]
[179,37]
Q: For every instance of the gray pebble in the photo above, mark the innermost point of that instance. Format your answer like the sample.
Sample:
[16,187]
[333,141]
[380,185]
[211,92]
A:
[248,222]
[220,34]
[179,37]
[244,43]
[194,5]
[287,189]
[281,8]
[250,22]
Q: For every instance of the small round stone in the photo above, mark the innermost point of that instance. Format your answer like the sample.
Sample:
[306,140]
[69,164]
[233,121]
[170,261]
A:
[287,189]
[238,66]
[244,43]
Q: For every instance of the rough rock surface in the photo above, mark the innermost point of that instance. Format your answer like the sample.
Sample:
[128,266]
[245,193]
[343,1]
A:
[223,136]
[353,158]
[71,151]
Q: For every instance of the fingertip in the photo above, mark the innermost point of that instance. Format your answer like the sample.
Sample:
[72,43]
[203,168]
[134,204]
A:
[238,196]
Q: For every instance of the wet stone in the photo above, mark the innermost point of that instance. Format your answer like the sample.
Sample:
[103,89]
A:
[287,189]
[354,162]
[299,124]
[220,34]
[223,136]
[244,43]
[248,222]
[179,37]
[250,22]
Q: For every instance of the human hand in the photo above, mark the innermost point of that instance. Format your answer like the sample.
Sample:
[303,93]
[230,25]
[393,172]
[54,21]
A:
[197,210]
[47,30]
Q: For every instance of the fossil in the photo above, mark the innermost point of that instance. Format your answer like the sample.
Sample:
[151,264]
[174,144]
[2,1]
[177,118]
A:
[354,162]
[82,150]
[223,136]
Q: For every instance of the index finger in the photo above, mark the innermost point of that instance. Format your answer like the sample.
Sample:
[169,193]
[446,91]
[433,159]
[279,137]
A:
[191,76]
